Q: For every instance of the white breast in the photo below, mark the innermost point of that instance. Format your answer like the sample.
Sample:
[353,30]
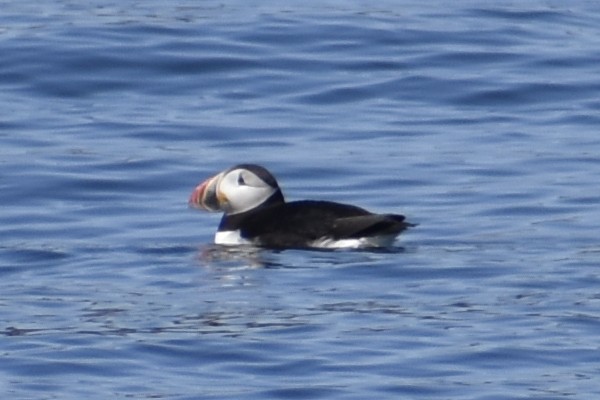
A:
[230,238]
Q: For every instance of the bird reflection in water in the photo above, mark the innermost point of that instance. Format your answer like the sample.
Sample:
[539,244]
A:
[239,257]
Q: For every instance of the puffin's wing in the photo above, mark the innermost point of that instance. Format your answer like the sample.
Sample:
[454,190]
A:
[298,224]
[368,225]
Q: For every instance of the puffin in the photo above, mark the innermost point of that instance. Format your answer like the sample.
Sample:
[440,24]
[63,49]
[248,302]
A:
[255,213]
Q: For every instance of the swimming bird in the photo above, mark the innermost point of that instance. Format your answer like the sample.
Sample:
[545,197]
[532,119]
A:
[256,213]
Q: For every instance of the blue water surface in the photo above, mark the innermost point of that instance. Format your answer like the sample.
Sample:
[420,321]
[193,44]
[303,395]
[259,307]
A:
[478,120]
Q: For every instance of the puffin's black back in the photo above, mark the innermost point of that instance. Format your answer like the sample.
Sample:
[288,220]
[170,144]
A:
[299,223]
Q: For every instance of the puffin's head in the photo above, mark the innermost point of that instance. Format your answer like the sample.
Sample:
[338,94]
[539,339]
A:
[236,190]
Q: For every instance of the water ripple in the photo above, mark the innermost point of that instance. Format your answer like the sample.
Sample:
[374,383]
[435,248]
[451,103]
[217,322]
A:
[479,122]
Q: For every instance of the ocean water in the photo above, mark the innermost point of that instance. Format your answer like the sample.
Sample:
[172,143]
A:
[479,121]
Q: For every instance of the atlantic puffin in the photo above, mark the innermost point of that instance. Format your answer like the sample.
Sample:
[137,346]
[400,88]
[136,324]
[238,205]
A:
[256,213]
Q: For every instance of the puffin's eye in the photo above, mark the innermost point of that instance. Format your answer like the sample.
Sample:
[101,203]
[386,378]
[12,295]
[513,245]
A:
[241,181]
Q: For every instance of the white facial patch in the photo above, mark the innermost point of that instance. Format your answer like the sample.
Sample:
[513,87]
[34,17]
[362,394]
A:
[244,190]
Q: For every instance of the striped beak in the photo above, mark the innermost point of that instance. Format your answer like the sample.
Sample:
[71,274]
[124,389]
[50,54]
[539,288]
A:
[206,196]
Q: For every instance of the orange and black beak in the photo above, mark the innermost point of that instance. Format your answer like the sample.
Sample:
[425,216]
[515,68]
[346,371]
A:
[207,195]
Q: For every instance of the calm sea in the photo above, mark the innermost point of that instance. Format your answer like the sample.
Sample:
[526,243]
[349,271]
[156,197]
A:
[480,121]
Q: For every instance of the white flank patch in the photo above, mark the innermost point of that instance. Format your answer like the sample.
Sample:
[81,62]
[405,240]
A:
[361,243]
[230,238]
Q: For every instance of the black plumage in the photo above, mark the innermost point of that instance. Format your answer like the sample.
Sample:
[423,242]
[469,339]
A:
[300,223]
